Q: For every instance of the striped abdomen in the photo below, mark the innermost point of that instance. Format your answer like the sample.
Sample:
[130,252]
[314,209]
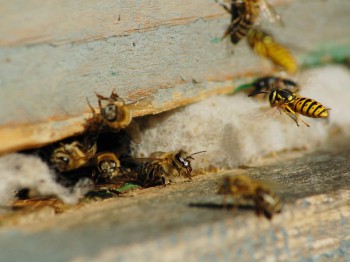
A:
[264,45]
[243,19]
[309,107]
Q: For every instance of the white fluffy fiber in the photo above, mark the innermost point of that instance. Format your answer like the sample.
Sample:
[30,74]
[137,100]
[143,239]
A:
[235,130]
[18,171]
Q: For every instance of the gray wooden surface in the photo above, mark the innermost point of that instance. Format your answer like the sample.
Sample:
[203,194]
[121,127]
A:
[54,54]
[186,222]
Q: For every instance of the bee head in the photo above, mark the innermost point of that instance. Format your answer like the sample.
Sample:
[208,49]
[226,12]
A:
[61,160]
[182,161]
[109,112]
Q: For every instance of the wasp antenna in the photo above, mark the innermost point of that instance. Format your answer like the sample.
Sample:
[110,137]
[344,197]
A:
[256,93]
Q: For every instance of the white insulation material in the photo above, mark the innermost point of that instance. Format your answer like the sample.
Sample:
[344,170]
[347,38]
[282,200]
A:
[18,171]
[236,130]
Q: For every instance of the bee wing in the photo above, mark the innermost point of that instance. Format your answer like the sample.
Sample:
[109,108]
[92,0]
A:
[270,13]
[140,159]
[133,131]
[141,103]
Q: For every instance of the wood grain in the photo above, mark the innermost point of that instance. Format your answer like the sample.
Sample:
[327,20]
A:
[61,22]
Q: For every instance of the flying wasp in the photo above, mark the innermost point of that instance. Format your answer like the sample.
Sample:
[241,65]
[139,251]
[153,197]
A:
[241,187]
[264,45]
[162,167]
[70,156]
[244,15]
[293,105]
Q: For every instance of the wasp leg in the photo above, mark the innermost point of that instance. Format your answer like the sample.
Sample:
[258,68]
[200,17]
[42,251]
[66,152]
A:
[231,27]
[294,115]
[228,10]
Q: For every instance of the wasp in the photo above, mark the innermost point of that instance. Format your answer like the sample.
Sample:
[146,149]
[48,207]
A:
[114,114]
[241,187]
[70,156]
[264,45]
[164,166]
[244,15]
[293,105]
[108,165]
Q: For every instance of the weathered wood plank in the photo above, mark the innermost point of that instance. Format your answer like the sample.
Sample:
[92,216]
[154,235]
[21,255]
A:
[62,22]
[186,221]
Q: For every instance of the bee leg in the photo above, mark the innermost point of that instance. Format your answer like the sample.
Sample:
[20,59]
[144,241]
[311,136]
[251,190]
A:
[163,178]
[114,95]
[100,98]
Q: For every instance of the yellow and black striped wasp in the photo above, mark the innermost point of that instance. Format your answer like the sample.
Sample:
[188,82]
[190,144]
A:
[244,15]
[264,45]
[293,104]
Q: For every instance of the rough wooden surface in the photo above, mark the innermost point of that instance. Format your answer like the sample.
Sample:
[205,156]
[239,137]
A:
[66,51]
[186,221]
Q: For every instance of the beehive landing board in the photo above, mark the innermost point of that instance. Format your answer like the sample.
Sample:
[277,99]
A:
[54,54]
[186,221]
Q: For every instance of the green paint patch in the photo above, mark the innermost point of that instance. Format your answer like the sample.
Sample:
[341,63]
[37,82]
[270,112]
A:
[127,187]
[241,88]
[327,55]
[113,73]
[216,40]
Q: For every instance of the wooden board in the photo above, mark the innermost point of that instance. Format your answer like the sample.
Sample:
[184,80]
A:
[187,222]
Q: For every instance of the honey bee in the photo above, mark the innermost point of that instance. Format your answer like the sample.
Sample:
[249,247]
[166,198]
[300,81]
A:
[293,105]
[108,165]
[241,187]
[244,15]
[73,155]
[114,114]
[163,167]
[265,45]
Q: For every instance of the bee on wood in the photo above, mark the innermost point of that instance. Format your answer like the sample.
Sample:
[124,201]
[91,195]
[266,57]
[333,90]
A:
[114,114]
[108,166]
[293,105]
[244,15]
[264,45]
[243,188]
[162,167]
[73,155]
